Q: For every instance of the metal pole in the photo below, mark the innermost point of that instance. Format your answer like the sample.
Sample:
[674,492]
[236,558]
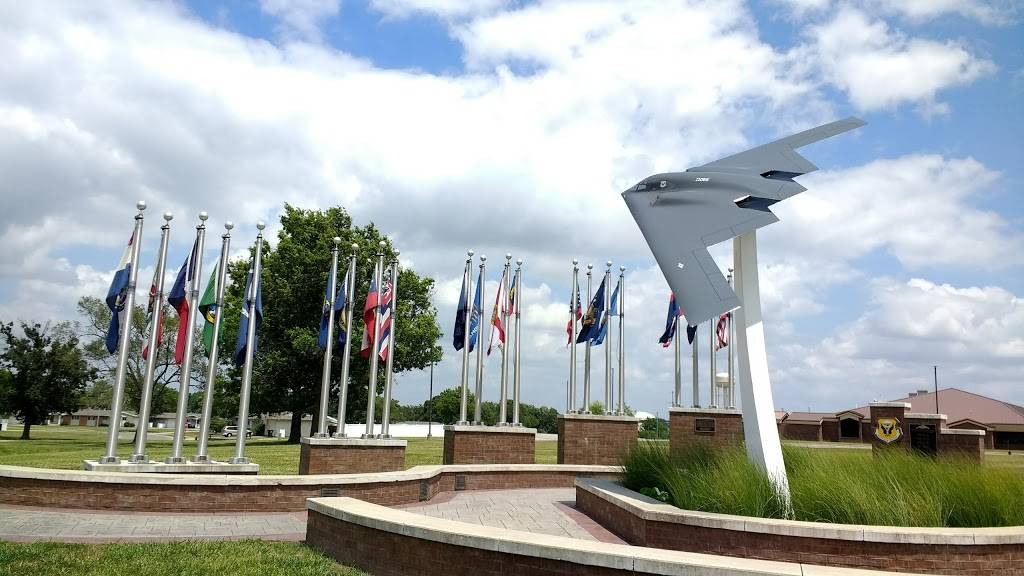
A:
[479,394]
[389,369]
[732,357]
[430,404]
[622,340]
[350,292]
[503,311]
[677,398]
[371,389]
[467,285]
[325,378]
[250,338]
[935,379]
[712,324]
[586,353]
[573,298]
[114,426]
[608,401]
[140,456]
[185,373]
[211,368]
[696,372]
[517,370]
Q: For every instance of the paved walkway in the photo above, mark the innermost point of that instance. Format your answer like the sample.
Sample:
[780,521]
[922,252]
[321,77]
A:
[545,511]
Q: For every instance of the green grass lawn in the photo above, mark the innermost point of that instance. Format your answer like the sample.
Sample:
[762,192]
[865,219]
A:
[66,446]
[245,558]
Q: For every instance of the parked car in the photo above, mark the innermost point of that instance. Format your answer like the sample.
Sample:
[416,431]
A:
[230,431]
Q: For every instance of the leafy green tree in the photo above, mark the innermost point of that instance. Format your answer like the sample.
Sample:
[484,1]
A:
[287,369]
[597,408]
[445,406]
[46,372]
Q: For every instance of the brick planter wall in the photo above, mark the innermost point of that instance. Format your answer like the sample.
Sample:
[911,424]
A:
[489,445]
[350,455]
[592,439]
[963,443]
[683,432]
[941,551]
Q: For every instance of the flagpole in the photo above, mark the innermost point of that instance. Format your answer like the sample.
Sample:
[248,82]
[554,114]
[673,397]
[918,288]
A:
[211,368]
[250,337]
[503,314]
[622,347]
[586,352]
[677,397]
[515,358]
[695,346]
[371,389]
[140,456]
[114,426]
[388,371]
[185,372]
[573,297]
[732,339]
[711,359]
[608,401]
[479,394]
[350,292]
[325,379]
[467,285]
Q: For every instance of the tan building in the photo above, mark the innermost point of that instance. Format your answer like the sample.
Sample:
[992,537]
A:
[89,417]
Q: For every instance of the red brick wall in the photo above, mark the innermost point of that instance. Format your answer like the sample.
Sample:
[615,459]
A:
[468,447]
[964,446]
[595,440]
[349,459]
[889,412]
[682,434]
[977,560]
[807,432]
[830,430]
[969,426]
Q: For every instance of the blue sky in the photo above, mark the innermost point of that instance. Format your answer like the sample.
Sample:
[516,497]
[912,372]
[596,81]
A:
[906,250]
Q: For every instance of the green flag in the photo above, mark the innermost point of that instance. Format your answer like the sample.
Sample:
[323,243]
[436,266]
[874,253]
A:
[208,308]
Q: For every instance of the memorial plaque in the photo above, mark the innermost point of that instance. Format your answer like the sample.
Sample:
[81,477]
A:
[922,439]
[704,425]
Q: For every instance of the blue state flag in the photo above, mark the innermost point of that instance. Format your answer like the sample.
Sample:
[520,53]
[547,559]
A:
[592,320]
[459,333]
[339,317]
[116,297]
[613,310]
[243,326]
[670,322]
[474,320]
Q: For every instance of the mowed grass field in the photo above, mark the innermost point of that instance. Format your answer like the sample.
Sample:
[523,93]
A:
[244,558]
[66,446]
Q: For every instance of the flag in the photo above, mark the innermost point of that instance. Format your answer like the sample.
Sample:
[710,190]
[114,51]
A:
[500,308]
[478,312]
[513,295]
[592,320]
[722,331]
[670,322]
[369,318]
[339,306]
[116,295]
[459,333]
[178,298]
[208,310]
[243,326]
[612,311]
[579,314]
[387,309]
[154,313]
[691,333]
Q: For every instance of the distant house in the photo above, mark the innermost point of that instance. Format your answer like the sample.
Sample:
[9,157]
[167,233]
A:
[90,417]
[169,419]
[1002,422]
[276,422]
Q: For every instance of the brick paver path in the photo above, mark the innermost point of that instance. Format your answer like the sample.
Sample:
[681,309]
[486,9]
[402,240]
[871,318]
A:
[546,511]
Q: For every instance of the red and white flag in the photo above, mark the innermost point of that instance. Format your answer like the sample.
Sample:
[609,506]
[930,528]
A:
[369,318]
[500,309]
[722,331]
[154,312]
[386,311]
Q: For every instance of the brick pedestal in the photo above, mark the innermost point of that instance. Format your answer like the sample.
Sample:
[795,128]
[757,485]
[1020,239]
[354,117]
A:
[969,444]
[593,439]
[351,455]
[690,428]
[884,411]
[489,445]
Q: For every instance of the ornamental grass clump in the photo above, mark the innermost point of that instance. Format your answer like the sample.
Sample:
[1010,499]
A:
[837,486]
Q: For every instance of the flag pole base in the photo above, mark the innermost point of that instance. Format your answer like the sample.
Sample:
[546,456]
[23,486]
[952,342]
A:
[175,460]
[109,460]
[139,459]
[321,435]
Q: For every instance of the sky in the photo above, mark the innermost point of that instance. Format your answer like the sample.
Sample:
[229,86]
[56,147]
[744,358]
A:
[508,126]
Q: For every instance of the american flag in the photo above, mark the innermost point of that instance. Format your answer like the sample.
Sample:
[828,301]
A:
[722,331]
[579,314]
[386,308]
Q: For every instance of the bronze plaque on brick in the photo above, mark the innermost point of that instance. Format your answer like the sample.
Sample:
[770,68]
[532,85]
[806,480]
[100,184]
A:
[704,425]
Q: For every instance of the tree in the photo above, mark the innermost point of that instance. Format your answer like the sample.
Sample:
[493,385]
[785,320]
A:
[47,372]
[287,369]
[445,406]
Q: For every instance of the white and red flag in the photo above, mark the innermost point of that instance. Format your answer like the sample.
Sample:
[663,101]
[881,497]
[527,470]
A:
[386,311]
[722,331]
[178,298]
[154,313]
[500,309]
[369,318]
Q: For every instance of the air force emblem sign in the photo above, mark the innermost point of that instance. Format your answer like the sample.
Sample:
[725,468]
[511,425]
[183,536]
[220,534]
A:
[888,430]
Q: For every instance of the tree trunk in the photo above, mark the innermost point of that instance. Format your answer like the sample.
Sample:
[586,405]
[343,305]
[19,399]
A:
[26,429]
[296,429]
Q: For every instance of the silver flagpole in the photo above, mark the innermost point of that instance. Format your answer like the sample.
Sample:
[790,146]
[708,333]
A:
[467,285]
[388,371]
[185,372]
[371,389]
[730,348]
[573,297]
[677,396]
[479,394]
[503,314]
[114,426]
[516,368]
[609,402]
[211,368]
[713,325]
[622,339]
[325,379]
[250,338]
[696,366]
[140,456]
[586,352]
[350,291]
